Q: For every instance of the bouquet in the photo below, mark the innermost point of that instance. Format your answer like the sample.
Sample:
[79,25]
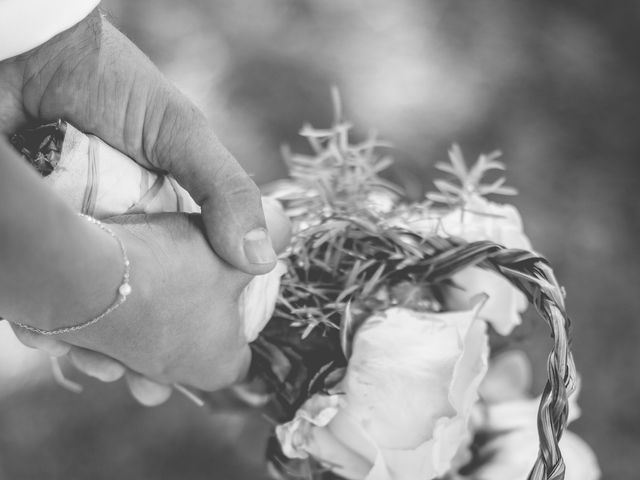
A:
[371,346]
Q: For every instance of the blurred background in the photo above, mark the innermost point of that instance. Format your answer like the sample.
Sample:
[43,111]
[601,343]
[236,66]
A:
[554,85]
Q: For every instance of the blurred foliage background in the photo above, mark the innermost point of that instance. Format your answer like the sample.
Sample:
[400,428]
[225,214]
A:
[554,85]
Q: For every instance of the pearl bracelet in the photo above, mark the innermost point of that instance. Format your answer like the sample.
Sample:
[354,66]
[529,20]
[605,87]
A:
[124,290]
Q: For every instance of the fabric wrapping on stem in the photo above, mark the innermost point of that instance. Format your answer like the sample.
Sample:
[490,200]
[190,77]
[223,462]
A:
[100,181]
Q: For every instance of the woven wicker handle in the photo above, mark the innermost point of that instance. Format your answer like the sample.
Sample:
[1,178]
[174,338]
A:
[532,275]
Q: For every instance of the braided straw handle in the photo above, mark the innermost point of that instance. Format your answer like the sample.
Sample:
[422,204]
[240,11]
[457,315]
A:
[532,275]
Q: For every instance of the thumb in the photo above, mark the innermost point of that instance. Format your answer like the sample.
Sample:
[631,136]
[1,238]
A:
[232,211]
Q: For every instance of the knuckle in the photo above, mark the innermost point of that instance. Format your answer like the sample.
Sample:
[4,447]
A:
[157,356]
[239,367]
[231,177]
[224,374]
[173,125]
[239,184]
[158,369]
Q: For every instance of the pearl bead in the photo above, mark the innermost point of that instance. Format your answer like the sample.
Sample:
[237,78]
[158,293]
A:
[125,289]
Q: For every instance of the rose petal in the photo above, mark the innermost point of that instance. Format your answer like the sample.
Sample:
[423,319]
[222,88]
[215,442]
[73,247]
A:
[504,302]
[325,447]
[510,378]
[401,350]
[258,300]
[512,454]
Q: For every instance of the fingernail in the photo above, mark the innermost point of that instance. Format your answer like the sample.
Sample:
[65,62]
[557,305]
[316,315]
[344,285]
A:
[258,248]
[107,374]
[55,349]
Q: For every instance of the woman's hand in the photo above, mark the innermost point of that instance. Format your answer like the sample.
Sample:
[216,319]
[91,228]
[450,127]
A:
[181,324]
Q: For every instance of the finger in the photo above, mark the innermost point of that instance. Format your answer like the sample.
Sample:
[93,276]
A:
[145,391]
[47,344]
[278,223]
[96,365]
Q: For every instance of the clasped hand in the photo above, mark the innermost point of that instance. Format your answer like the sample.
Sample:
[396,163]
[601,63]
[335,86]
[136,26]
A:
[181,324]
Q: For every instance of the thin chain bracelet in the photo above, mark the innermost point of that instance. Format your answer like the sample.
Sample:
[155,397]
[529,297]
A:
[124,290]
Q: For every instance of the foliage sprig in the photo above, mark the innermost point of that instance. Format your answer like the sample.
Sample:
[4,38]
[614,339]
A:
[468,181]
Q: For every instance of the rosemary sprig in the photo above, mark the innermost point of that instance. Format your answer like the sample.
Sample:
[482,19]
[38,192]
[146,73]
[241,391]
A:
[467,183]
[338,178]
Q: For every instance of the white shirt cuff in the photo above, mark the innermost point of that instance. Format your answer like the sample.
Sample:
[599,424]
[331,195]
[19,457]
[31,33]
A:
[25,24]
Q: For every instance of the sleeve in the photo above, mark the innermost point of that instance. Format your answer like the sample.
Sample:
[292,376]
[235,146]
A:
[25,24]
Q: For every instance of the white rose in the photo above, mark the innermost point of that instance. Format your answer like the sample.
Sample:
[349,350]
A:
[512,455]
[482,220]
[258,300]
[509,422]
[485,220]
[402,410]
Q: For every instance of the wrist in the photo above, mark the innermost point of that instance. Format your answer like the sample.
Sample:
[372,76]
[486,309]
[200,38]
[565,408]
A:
[90,274]
[122,293]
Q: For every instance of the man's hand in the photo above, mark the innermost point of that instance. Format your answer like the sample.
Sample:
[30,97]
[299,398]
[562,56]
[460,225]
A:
[94,77]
